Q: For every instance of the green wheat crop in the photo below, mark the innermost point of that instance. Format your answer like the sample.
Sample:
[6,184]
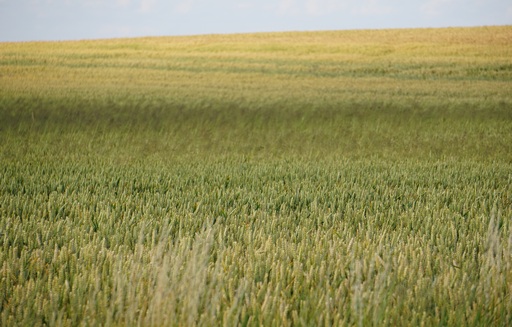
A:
[320,178]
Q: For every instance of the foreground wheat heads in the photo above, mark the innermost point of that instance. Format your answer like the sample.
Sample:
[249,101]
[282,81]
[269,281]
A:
[320,178]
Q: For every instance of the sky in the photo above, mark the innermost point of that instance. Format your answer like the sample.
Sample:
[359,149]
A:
[40,20]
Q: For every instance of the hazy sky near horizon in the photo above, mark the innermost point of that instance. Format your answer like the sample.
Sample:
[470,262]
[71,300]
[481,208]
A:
[27,20]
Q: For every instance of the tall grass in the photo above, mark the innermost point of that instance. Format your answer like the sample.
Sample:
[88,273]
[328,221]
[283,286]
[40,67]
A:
[329,178]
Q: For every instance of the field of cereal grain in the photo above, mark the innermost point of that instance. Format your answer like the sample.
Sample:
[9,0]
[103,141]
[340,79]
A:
[308,178]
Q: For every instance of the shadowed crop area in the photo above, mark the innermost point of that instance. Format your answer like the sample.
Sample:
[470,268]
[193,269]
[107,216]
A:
[277,179]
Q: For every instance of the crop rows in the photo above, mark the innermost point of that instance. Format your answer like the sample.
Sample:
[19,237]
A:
[331,178]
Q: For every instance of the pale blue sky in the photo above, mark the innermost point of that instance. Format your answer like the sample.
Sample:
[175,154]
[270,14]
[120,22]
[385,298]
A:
[24,20]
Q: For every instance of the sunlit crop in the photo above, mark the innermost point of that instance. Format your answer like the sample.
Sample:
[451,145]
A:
[324,178]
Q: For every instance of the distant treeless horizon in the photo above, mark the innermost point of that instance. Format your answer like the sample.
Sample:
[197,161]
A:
[53,20]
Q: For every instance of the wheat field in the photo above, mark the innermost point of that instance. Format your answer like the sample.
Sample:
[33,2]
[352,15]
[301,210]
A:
[345,178]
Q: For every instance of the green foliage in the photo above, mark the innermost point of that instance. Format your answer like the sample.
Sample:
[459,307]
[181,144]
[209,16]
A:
[330,178]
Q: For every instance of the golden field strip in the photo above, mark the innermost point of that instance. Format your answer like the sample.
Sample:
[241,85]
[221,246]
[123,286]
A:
[307,178]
